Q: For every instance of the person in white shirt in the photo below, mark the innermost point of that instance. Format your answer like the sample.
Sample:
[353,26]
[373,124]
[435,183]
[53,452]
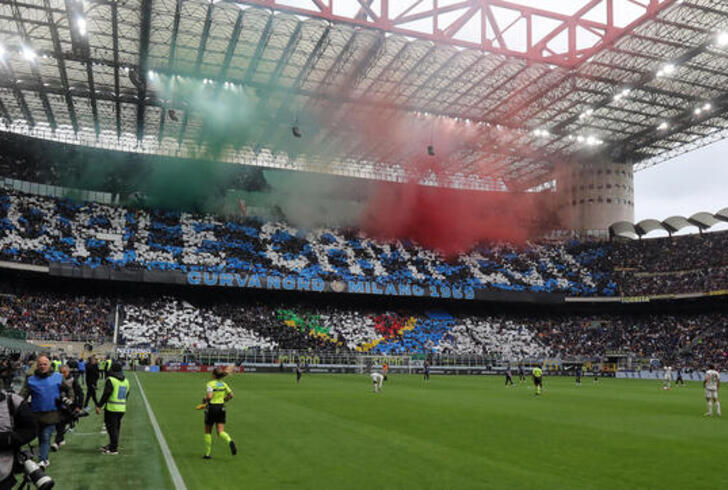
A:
[377,379]
[668,379]
[711,383]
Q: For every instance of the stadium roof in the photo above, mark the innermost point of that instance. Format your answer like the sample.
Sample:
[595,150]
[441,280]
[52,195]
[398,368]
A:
[702,220]
[639,80]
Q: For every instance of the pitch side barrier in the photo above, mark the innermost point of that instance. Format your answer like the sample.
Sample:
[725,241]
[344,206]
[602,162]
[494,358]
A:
[659,374]
[300,284]
[353,369]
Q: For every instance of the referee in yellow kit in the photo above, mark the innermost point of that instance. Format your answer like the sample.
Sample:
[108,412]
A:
[217,392]
[537,379]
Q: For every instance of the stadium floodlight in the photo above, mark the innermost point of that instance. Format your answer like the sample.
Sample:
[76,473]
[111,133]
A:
[663,126]
[697,111]
[625,92]
[28,53]
[81,25]
[2,51]
[668,69]
[707,106]
[722,38]
[586,113]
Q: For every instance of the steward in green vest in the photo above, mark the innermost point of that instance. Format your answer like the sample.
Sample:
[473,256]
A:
[56,364]
[116,393]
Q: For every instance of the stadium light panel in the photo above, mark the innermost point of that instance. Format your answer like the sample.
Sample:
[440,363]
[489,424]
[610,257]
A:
[663,126]
[81,25]
[28,53]
[668,69]
[722,38]
[707,106]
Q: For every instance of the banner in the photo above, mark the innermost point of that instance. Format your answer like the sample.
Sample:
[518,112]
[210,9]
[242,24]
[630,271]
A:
[181,367]
[301,284]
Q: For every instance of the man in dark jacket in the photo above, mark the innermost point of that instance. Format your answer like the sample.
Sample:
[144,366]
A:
[113,400]
[71,406]
[92,378]
[17,428]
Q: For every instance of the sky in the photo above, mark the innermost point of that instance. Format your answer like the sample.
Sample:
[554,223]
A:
[692,182]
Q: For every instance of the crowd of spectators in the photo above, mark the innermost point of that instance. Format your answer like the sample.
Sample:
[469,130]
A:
[46,230]
[147,320]
[58,315]
[695,339]
[685,252]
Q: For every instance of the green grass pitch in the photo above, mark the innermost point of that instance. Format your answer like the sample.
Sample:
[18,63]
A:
[333,432]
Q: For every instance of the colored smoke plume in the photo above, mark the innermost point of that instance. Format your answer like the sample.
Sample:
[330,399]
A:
[452,221]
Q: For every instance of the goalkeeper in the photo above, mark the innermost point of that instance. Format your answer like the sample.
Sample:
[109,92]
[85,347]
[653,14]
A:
[216,394]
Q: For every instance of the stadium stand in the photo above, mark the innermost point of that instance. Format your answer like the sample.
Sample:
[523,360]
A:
[223,323]
[44,230]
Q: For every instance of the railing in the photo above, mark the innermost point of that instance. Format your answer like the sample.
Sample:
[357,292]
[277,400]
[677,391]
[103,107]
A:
[257,356]
[51,337]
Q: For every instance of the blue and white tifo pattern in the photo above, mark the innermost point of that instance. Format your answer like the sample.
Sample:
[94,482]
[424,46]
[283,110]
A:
[44,230]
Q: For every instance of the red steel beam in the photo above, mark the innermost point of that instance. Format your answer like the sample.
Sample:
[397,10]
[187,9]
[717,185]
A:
[445,25]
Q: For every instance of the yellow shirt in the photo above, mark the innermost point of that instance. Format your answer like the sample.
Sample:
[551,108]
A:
[537,372]
[219,390]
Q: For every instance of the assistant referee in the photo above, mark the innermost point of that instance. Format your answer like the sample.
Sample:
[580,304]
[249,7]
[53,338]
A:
[217,392]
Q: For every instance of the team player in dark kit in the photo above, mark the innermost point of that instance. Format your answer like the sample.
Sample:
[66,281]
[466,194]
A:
[521,372]
[578,374]
[679,380]
[427,371]
[509,379]
[299,372]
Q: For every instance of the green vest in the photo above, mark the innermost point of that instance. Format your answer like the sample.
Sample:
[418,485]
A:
[537,372]
[56,365]
[117,400]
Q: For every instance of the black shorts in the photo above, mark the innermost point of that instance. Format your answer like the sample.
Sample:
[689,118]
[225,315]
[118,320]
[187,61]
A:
[215,414]
[537,382]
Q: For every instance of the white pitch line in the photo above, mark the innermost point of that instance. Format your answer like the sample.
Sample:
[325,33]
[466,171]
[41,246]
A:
[179,483]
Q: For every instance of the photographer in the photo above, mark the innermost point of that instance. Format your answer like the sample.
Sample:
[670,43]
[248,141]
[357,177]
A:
[17,428]
[44,389]
[70,405]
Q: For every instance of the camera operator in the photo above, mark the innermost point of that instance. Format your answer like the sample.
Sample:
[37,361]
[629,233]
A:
[70,406]
[44,389]
[17,428]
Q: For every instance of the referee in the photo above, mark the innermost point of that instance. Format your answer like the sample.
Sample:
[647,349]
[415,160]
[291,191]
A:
[217,392]
[537,379]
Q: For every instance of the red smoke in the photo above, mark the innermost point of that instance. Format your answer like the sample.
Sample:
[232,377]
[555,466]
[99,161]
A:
[450,220]
[445,219]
